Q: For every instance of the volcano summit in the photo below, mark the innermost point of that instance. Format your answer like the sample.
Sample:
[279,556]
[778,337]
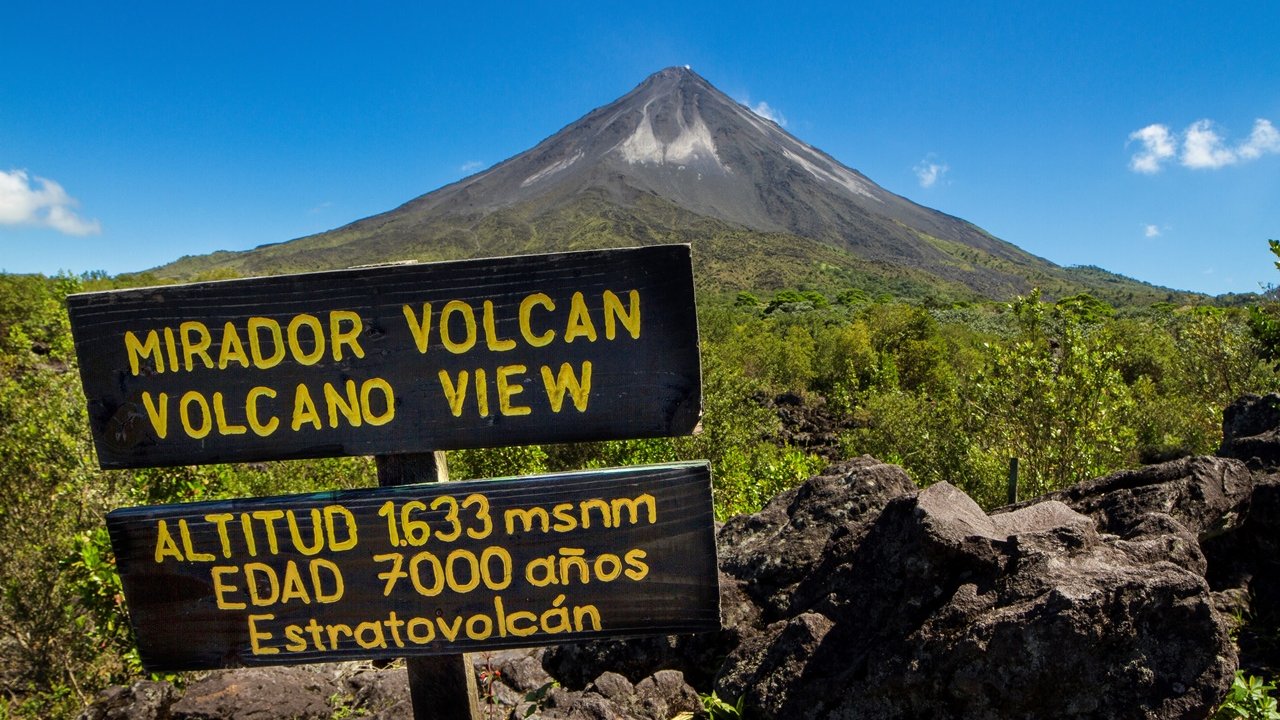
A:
[676,160]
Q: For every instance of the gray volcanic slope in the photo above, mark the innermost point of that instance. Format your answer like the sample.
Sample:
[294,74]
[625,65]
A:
[676,160]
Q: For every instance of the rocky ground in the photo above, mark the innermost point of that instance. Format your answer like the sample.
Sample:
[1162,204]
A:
[859,595]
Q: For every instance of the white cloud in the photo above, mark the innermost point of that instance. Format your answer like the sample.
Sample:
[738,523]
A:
[1151,231]
[48,205]
[929,172]
[471,166]
[1157,146]
[1264,140]
[1200,146]
[766,111]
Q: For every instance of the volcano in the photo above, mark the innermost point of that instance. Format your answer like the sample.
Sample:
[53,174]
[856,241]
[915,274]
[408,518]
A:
[676,160]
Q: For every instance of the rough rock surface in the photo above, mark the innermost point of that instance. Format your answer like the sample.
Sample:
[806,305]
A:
[944,611]
[1244,565]
[144,700]
[258,694]
[1251,430]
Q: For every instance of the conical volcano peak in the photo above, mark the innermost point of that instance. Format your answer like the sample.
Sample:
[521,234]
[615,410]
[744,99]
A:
[677,160]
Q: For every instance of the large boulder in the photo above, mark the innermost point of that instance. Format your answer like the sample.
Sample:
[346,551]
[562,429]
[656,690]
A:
[1251,430]
[763,557]
[774,550]
[943,611]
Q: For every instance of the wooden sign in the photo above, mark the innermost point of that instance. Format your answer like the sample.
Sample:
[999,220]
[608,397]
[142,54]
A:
[420,569]
[393,359]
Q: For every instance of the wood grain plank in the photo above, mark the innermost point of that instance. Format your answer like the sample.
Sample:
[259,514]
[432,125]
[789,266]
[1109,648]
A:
[602,553]
[354,362]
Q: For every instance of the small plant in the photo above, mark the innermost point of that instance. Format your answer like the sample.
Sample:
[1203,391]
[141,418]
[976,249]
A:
[715,708]
[538,697]
[1249,698]
[488,676]
[344,707]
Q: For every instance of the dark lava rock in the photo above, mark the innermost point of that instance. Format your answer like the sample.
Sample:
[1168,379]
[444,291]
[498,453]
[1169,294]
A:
[259,694]
[144,700]
[1251,430]
[944,611]
[773,550]
[763,557]
[1206,495]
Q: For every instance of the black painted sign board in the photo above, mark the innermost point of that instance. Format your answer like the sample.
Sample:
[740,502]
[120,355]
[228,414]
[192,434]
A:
[393,359]
[420,569]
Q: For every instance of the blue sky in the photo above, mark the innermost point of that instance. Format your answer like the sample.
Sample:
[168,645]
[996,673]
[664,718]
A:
[1142,138]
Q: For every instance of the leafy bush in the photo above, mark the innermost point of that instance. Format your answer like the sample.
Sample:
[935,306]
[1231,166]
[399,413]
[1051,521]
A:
[1249,698]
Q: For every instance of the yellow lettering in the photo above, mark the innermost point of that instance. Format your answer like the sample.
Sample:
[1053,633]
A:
[586,505]
[556,386]
[583,611]
[268,518]
[580,324]
[296,642]
[375,641]
[171,349]
[455,394]
[350,337]
[523,615]
[633,509]
[565,520]
[187,545]
[527,517]
[221,520]
[526,310]
[339,587]
[251,411]
[421,330]
[506,390]
[251,582]
[304,409]
[331,513]
[613,311]
[220,588]
[348,406]
[256,326]
[165,544]
[482,393]
[468,317]
[491,338]
[220,414]
[637,568]
[184,413]
[416,638]
[388,397]
[138,350]
[317,537]
[200,347]
[255,636]
[317,339]
[293,587]
[232,348]
[159,417]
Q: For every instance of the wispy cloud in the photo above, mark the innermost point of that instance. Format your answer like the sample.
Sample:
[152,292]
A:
[929,171]
[1157,146]
[768,112]
[25,200]
[471,166]
[1200,147]
[1151,231]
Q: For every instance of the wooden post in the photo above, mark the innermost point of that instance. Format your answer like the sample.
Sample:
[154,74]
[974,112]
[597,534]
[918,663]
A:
[1013,480]
[442,687]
